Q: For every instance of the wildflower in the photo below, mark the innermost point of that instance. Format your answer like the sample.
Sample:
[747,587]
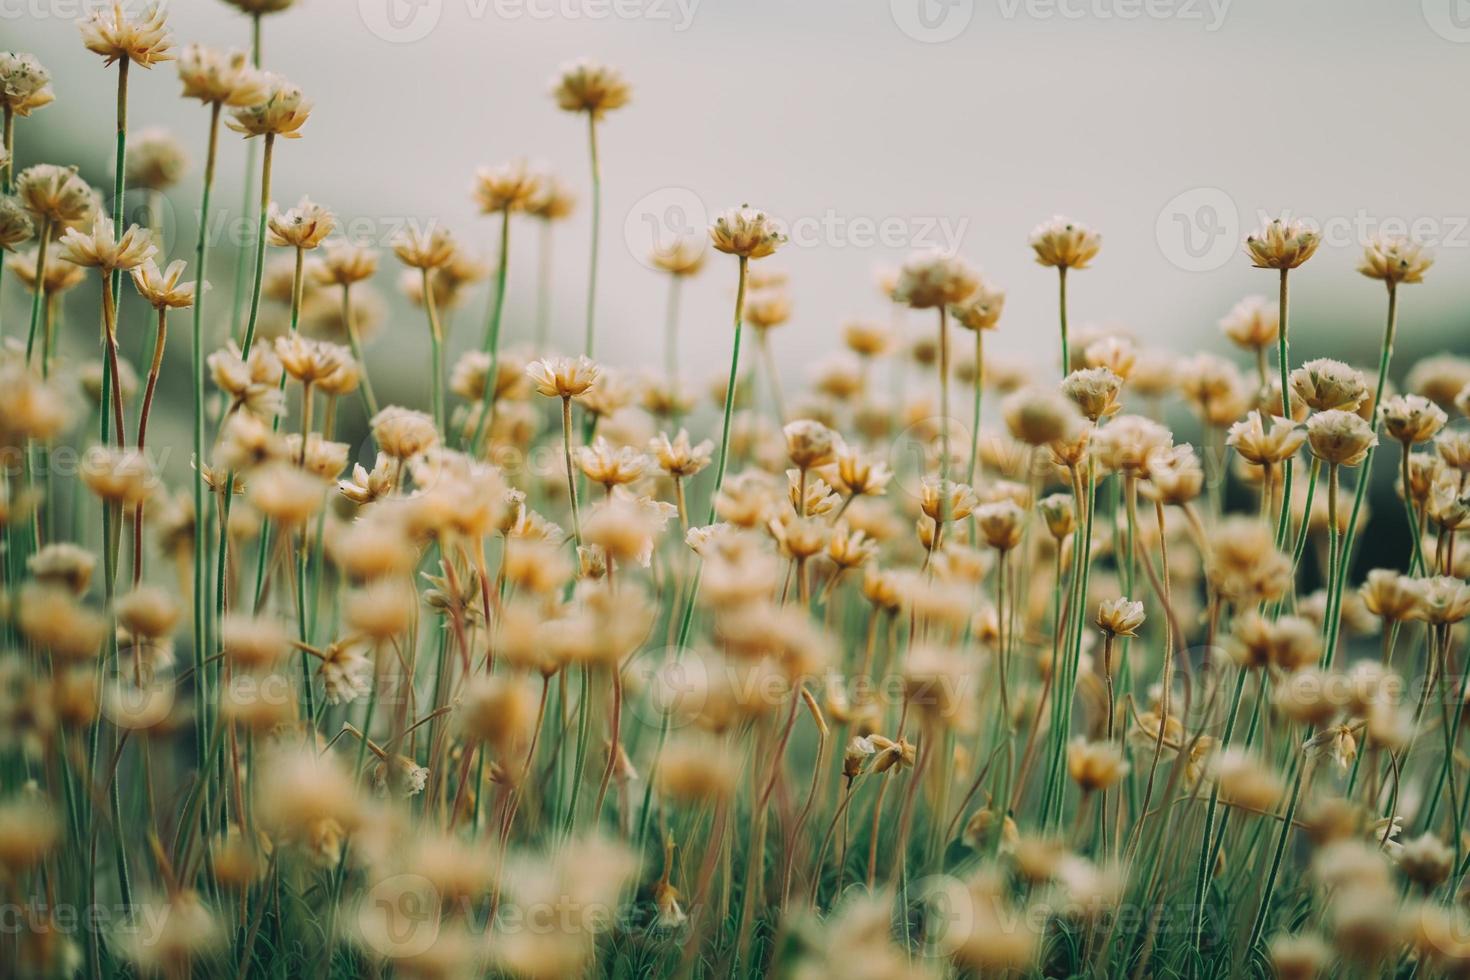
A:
[1299,957]
[1040,417]
[1339,437]
[1442,600]
[1253,324]
[118,476]
[809,444]
[512,186]
[745,232]
[1281,244]
[155,160]
[586,86]
[63,564]
[1439,378]
[1000,524]
[1395,260]
[162,289]
[345,673]
[147,611]
[563,377]
[343,264]
[55,620]
[1131,443]
[1265,446]
[608,466]
[310,361]
[1095,765]
[420,248]
[1120,617]
[216,77]
[1426,861]
[304,227]
[1325,384]
[104,251]
[945,500]
[1176,475]
[1412,419]
[1244,782]
[682,257]
[767,308]
[25,84]
[677,457]
[282,112]
[116,34]
[1064,244]
[981,311]
[403,433]
[55,194]
[1094,390]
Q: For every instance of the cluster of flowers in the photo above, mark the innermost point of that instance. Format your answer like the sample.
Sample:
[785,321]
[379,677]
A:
[702,706]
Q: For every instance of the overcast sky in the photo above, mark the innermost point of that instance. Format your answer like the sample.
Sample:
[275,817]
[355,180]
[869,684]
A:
[871,126]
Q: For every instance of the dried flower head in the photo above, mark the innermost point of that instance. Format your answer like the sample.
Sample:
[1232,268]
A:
[1412,419]
[223,78]
[1252,324]
[1395,260]
[1340,437]
[118,34]
[981,311]
[1120,617]
[586,86]
[162,289]
[512,186]
[1281,244]
[1064,244]
[305,226]
[1266,446]
[403,433]
[55,194]
[1094,391]
[927,280]
[25,84]
[282,112]
[102,250]
[746,232]
[677,457]
[1095,765]
[682,257]
[563,377]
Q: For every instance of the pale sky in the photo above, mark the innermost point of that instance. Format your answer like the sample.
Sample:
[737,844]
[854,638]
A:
[858,124]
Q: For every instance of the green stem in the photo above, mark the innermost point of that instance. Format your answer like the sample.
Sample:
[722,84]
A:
[729,392]
[1062,305]
[265,203]
[492,337]
[596,231]
[975,415]
[1283,523]
[365,388]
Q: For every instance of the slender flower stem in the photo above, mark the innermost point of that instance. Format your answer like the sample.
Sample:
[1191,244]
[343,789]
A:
[265,203]
[975,416]
[201,520]
[944,453]
[729,394]
[365,389]
[436,341]
[148,392]
[1283,523]
[596,231]
[491,344]
[38,300]
[1062,305]
[566,444]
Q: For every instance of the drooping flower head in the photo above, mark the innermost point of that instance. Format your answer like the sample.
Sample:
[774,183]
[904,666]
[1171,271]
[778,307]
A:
[116,34]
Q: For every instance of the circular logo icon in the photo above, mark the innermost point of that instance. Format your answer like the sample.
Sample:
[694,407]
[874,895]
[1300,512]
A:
[666,687]
[400,21]
[661,220]
[1450,19]
[1199,229]
[914,453]
[399,916]
[932,21]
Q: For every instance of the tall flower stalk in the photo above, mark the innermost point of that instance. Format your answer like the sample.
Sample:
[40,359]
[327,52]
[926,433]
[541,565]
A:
[594,89]
[1063,244]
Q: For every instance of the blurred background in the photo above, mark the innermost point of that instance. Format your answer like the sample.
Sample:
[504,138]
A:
[871,128]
